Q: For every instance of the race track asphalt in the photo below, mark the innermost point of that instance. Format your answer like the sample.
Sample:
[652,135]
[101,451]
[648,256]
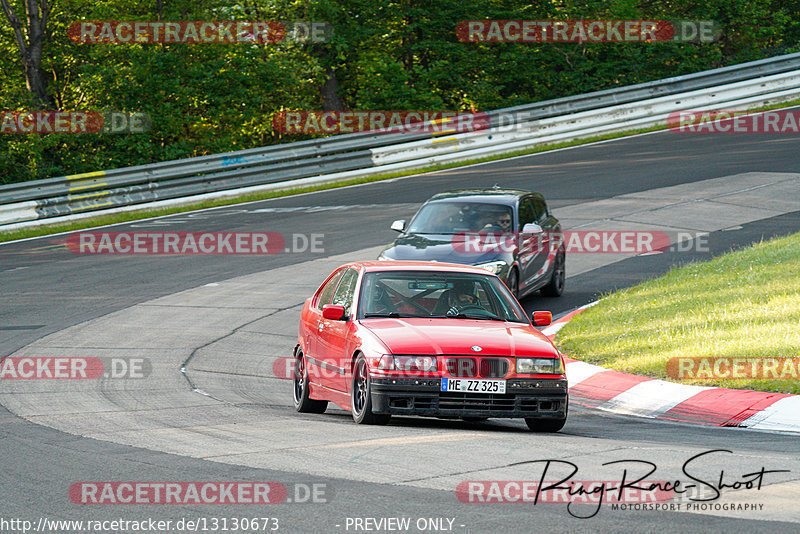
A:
[47,290]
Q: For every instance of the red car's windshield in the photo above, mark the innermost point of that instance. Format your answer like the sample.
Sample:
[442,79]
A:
[437,294]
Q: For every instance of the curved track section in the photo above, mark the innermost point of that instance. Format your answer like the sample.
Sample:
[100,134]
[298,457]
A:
[226,320]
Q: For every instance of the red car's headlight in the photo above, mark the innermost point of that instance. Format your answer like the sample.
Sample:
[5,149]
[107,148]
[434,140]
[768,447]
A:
[390,362]
[540,366]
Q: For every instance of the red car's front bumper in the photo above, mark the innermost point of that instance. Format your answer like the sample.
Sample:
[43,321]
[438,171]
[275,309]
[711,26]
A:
[524,397]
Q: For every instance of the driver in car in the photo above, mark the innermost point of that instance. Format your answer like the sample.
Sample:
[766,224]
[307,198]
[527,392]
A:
[454,300]
[380,303]
[501,224]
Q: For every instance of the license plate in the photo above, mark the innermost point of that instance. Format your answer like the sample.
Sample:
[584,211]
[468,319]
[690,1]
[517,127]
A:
[468,385]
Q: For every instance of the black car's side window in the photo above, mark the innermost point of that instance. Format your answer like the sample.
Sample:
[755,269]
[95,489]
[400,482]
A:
[328,289]
[540,209]
[346,290]
[527,214]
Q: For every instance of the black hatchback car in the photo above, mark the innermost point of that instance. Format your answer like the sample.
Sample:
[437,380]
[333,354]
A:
[510,233]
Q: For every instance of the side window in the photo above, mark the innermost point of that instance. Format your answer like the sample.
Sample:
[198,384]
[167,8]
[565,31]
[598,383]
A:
[327,290]
[540,209]
[346,290]
[527,214]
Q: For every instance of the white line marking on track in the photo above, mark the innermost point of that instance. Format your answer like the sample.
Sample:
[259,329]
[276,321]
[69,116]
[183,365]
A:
[577,372]
[651,398]
[783,415]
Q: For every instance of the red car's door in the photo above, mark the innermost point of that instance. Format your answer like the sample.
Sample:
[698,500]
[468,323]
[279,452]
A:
[333,337]
[313,328]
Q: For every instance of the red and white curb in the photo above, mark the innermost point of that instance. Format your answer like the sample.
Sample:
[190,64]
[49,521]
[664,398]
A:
[597,387]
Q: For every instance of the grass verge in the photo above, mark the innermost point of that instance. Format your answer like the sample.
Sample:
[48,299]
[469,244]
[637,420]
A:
[743,304]
[144,213]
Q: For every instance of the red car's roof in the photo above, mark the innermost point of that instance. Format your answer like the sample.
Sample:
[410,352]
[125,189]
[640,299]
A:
[376,265]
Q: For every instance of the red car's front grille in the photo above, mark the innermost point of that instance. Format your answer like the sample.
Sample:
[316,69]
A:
[462,367]
[472,367]
[494,367]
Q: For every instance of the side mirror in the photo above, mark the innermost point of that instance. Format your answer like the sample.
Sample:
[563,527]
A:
[531,228]
[399,225]
[335,312]
[541,318]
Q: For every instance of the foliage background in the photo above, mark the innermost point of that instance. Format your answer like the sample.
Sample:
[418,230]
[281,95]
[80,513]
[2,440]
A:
[385,54]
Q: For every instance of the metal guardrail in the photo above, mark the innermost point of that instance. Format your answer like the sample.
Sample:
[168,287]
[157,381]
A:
[664,87]
[737,96]
[341,155]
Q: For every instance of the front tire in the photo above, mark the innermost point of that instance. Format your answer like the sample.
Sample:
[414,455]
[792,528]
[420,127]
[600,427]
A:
[512,282]
[555,287]
[545,425]
[548,425]
[471,419]
[361,396]
[302,402]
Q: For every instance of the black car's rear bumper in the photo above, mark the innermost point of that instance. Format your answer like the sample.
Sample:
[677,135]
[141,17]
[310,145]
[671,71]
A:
[523,398]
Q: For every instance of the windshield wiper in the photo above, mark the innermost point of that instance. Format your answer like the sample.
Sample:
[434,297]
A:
[393,315]
[431,233]
[470,316]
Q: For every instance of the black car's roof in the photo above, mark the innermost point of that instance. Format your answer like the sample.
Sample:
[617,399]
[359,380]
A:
[488,196]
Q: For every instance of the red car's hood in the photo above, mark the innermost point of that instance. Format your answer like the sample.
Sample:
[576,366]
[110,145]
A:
[458,336]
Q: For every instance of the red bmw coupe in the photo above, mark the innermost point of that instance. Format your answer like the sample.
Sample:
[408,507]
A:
[431,339]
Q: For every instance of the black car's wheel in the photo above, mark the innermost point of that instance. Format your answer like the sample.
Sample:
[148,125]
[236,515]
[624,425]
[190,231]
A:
[555,287]
[512,282]
[302,402]
[361,399]
[548,425]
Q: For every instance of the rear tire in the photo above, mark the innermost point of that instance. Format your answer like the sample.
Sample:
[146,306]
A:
[302,402]
[361,396]
[555,287]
